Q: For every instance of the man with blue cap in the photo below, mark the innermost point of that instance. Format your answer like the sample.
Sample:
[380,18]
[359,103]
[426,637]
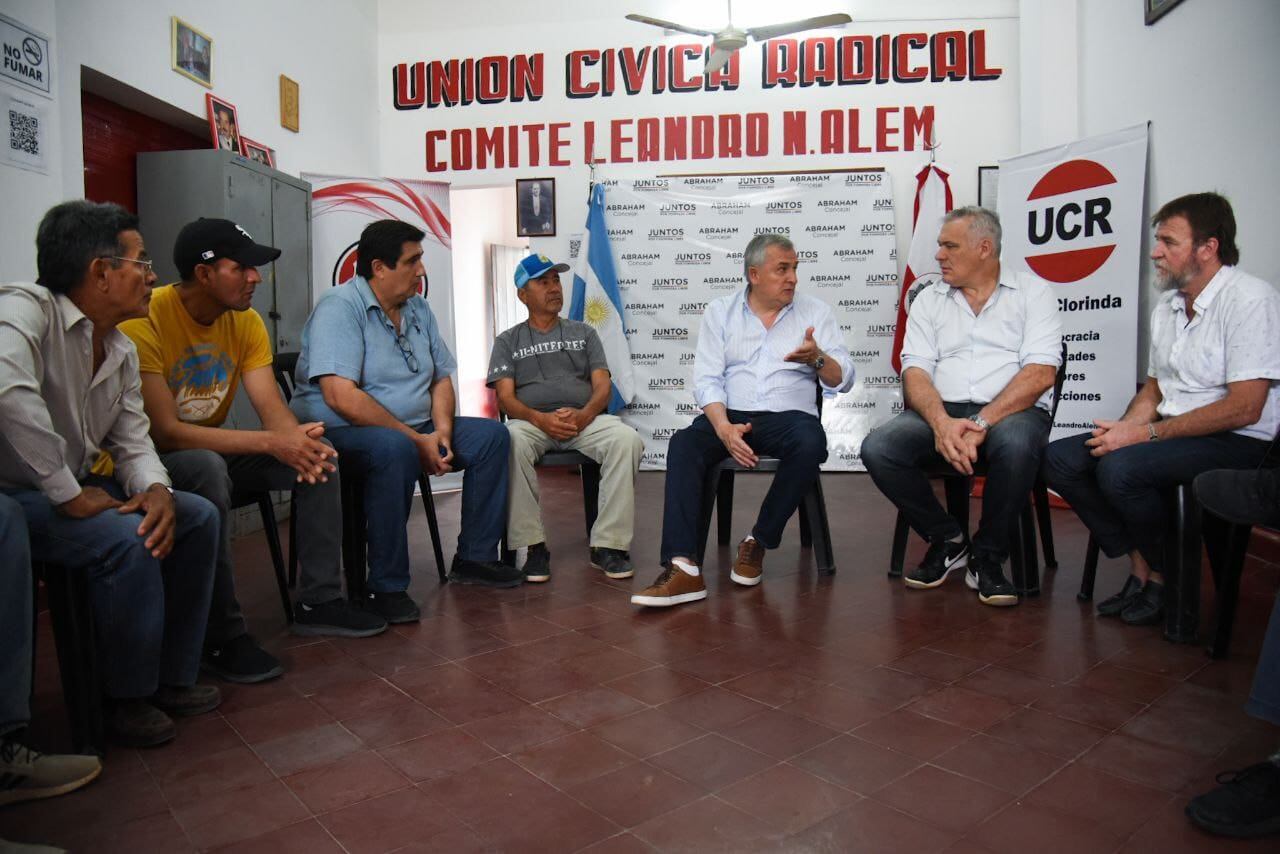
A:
[553,382]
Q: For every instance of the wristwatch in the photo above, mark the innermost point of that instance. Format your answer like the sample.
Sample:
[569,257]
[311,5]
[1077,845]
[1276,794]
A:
[980,421]
[819,362]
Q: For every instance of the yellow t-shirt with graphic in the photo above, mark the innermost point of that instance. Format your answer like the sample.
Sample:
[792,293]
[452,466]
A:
[202,365]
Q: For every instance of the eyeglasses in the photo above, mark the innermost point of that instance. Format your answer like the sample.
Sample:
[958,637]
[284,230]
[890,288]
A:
[145,262]
[406,350]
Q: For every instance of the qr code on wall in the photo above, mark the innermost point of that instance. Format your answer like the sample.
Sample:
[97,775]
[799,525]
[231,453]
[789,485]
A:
[24,133]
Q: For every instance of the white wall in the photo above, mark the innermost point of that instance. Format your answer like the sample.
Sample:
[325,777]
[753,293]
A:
[328,46]
[1204,76]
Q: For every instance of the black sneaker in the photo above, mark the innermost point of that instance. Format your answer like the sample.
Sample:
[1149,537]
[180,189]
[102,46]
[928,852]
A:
[488,573]
[1147,608]
[336,618]
[1113,605]
[1245,804]
[393,607]
[615,563]
[942,557]
[241,660]
[537,566]
[988,579]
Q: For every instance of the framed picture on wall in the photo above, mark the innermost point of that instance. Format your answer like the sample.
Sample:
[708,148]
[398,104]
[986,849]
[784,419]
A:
[224,127]
[1156,9]
[536,207]
[259,153]
[191,52]
[988,182]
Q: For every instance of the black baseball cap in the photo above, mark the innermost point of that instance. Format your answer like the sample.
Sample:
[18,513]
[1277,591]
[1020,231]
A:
[206,240]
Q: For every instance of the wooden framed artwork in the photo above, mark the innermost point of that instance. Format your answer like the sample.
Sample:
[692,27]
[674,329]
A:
[1157,9]
[191,52]
[224,126]
[259,153]
[288,104]
[536,207]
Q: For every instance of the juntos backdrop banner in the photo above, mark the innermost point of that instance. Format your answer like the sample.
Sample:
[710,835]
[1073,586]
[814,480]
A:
[678,244]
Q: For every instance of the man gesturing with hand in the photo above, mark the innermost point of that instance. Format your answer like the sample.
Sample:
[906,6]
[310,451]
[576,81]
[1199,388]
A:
[200,342]
[762,353]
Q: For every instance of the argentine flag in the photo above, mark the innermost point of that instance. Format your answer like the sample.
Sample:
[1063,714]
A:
[597,302]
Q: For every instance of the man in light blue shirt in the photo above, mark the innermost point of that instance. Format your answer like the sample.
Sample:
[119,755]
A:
[375,369]
[761,354]
[979,358]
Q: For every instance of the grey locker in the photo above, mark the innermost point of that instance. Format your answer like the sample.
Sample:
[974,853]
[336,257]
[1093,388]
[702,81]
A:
[176,187]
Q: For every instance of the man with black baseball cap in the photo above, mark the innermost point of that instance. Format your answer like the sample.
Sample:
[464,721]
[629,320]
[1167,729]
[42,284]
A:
[200,341]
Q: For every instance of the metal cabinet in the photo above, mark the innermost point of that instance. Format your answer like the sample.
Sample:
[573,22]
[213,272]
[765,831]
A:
[176,187]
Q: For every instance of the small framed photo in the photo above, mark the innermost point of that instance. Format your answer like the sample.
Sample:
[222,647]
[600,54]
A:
[988,183]
[536,207]
[1156,9]
[191,52]
[224,127]
[259,153]
[288,104]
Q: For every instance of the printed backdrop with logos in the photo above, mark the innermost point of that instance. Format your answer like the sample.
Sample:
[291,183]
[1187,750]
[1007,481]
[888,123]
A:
[678,244]
[1073,215]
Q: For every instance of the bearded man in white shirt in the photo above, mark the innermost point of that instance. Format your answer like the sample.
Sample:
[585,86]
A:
[979,358]
[1211,399]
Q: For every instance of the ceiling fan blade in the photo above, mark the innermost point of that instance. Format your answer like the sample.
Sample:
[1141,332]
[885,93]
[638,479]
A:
[668,25]
[772,32]
[718,59]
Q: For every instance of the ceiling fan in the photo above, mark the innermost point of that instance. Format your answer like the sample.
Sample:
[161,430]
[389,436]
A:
[730,39]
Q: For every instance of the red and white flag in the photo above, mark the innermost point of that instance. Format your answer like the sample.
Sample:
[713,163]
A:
[933,201]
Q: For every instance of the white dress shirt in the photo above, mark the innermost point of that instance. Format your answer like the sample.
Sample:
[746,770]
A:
[56,414]
[741,364]
[1234,336]
[971,358]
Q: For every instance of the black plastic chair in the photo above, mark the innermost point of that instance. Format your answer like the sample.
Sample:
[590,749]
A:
[71,612]
[354,535]
[717,495]
[1022,552]
[271,528]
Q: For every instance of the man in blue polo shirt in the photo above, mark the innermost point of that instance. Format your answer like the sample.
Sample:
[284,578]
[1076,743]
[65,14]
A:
[375,369]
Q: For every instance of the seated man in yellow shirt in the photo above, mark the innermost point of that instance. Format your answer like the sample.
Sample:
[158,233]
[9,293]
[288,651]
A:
[200,341]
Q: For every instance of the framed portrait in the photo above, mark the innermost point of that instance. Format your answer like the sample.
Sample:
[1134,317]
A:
[259,153]
[288,104]
[988,183]
[191,52]
[224,127]
[1156,9]
[536,207]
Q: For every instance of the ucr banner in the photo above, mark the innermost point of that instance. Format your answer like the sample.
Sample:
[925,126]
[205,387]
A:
[1073,216]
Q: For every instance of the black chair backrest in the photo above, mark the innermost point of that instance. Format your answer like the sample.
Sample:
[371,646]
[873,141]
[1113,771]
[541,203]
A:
[1058,381]
[283,368]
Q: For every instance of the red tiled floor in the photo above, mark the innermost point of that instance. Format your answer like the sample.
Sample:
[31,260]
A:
[807,715]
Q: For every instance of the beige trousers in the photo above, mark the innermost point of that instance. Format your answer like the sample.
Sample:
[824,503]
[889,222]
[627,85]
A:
[606,440]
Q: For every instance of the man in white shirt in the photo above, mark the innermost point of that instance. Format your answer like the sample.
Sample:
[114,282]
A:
[979,358]
[1211,399]
[762,352]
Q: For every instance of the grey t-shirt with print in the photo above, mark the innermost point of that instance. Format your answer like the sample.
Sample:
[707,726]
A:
[551,369]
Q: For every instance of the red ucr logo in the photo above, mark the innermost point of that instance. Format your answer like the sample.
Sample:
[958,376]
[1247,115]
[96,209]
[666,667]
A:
[1080,218]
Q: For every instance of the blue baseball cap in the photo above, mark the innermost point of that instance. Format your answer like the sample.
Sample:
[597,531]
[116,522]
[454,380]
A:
[534,266]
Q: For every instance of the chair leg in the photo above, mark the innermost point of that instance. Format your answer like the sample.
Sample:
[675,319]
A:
[1041,493]
[590,495]
[272,529]
[429,506]
[74,640]
[899,552]
[724,508]
[806,529]
[1182,572]
[293,540]
[1027,577]
[814,510]
[1090,570]
[1228,588]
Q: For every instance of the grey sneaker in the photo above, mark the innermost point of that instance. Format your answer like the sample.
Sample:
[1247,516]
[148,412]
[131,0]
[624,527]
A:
[537,565]
[614,562]
[26,774]
[186,700]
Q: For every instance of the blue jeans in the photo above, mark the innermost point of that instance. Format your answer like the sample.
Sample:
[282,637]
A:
[1118,496]
[15,617]
[900,454]
[388,462]
[795,438]
[149,615]
[1264,699]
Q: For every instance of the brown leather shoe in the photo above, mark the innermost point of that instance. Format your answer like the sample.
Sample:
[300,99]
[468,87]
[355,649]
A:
[673,587]
[749,567]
